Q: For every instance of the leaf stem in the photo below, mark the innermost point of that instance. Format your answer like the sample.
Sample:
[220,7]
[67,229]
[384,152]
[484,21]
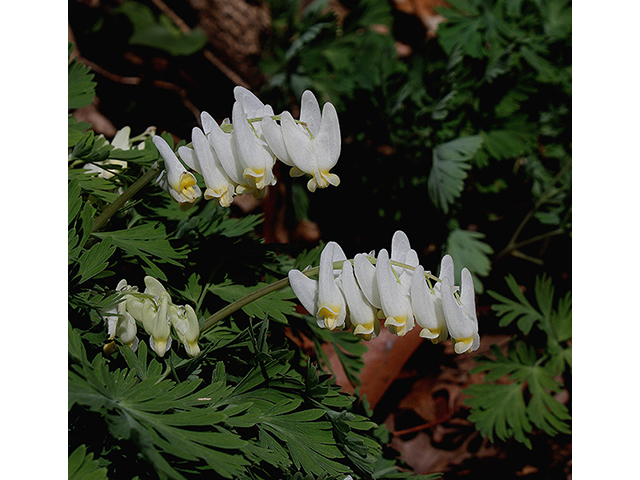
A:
[134,188]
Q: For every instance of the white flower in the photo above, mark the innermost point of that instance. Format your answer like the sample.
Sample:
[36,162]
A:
[251,149]
[362,315]
[323,298]
[460,313]
[203,159]
[222,143]
[313,149]
[365,273]
[426,304]
[394,297]
[152,311]
[120,323]
[309,115]
[185,323]
[180,184]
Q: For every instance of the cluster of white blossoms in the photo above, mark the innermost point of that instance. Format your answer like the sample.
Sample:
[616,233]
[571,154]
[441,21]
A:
[238,156]
[155,311]
[394,288]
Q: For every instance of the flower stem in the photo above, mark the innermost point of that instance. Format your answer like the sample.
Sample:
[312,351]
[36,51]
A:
[134,188]
[272,287]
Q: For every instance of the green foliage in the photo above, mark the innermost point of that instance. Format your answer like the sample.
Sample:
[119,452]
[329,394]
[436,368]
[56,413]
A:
[275,304]
[448,170]
[81,86]
[160,33]
[82,466]
[468,250]
[526,400]
[501,409]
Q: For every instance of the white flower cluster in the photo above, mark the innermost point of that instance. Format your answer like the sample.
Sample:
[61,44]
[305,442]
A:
[155,311]
[359,293]
[238,157]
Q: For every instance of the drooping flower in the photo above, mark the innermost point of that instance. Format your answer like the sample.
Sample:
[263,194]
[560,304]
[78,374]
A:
[365,273]
[394,297]
[175,179]
[203,159]
[459,312]
[310,117]
[427,308]
[314,148]
[120,323]
[185,323]
[362,315]
[152,310]
[251,149]
[323,298]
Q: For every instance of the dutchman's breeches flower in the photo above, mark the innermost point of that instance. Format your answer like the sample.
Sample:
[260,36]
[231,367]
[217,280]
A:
[460,313]
[393,288]
[396,305]
[362,315]
[323,298]
[313,147]
[242,154]
[180,184]
[120,323]
[427,308]
[185,323]
[156,312]
[203,159]
[251,150]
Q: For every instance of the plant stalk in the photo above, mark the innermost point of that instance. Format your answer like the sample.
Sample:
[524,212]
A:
[134,188]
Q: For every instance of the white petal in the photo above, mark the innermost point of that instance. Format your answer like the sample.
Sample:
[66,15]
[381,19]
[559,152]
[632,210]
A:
[154,287]
[208,122]
[188,156]
[252,155]
[361,312]
[174,168]
[366,274]
[400,246]
[395,302]
[121,138]
[298,144]
[331,303]
[427,308]
[218,184]
[310,112]
[251,104]
[446,268]
[328,139]
[306,289]
[273,135]
[222,145]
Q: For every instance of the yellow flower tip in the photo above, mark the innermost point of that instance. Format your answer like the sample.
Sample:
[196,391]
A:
[192,348]
[296,172]
[223,196]
[462,345]
[187,182]
[430,334]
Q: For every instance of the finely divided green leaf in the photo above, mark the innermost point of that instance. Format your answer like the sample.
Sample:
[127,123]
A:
[81,87]
[468,250]
[82,466]
[147,239]
[276,304]
[95,260]
[449,169]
